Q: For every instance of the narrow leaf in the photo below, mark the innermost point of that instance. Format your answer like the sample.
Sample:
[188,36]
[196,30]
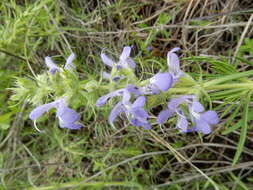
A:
[243,130]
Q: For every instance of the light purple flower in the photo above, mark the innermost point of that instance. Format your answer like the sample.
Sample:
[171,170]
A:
[174,65]
[68,118]
[53,67]
[137,115]
[135,112]
[69,62]
[163,81]
[149,48]
[103,99]
[124,60]
[204,120]
[159,82]
[172,109]
[201,120]
[133,89]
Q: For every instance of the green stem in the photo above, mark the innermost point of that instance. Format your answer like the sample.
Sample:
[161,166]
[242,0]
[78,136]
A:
[229,78]
[87,184]
[229,86]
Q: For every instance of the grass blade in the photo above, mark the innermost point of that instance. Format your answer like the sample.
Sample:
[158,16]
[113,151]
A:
[243,130]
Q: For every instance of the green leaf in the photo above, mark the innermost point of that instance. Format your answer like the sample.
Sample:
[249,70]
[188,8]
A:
[245,61]
[230,77]
[239,124]
[243,129]
[5,121]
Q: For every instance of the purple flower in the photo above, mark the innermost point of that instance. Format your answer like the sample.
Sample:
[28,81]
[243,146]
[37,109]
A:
[124,60]
[159,82]
[149,48]
[174,65]
[53,67]
[133,89]
[68,118]
[69,62]
[201,120]
[172,108]
[135,112]
[104,99]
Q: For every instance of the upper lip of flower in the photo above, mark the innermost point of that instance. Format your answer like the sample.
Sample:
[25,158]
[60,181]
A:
[174,64]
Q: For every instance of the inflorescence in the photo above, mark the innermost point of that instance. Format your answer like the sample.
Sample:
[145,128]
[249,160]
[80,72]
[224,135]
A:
[132,96]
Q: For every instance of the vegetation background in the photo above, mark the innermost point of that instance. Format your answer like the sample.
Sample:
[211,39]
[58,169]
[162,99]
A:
[216,40]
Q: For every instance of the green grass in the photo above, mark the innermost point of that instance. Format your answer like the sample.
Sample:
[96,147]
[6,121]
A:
[98,156]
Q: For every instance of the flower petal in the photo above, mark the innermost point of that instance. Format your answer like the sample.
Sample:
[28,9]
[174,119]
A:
[106,60]
[40,110]
[139,102]
[118,66]
[69,65]
[138,123]
[53,70]
[182,124]
[140,114]
[106,75]
[202,126]
[116,78]
[175,102]
[164,116]
[118,108]
[210,117]
[133,89]
[175,50]
[131,63]
[126,97]
[162,80]
[146,126]
[51,65]
[67,115]
[103,99]
[197,107]
[149,89]
[173,62]
[73,126]
[125,53]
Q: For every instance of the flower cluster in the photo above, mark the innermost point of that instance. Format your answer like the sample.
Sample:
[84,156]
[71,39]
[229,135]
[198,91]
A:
[68,118]
[132,97]
[202,120]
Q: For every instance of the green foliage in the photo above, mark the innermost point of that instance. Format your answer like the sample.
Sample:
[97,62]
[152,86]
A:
[247,47]
[244,128]
[25,26]
[98,157]
[163,19]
